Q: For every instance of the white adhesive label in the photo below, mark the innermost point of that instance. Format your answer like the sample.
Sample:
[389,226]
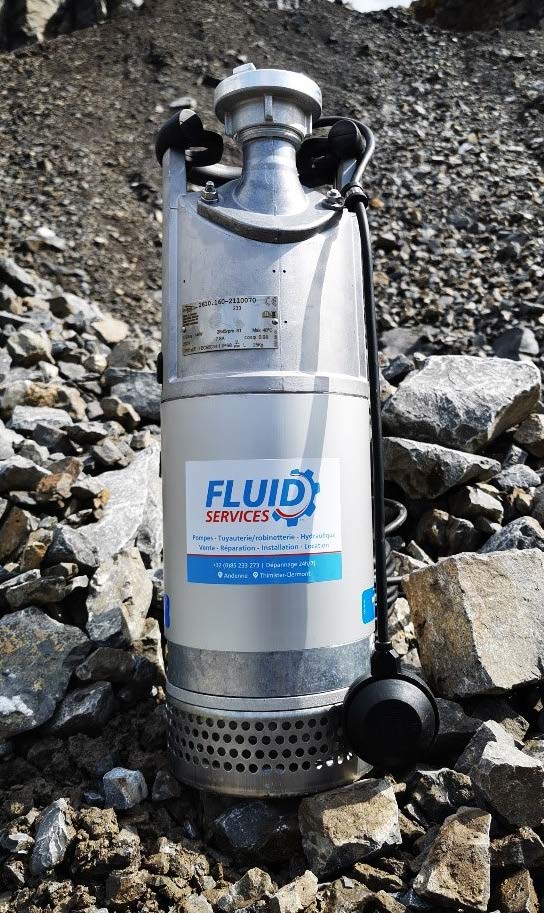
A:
[263,521]
[235,322]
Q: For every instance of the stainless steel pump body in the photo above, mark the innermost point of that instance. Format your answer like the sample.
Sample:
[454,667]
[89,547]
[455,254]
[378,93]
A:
[268,555]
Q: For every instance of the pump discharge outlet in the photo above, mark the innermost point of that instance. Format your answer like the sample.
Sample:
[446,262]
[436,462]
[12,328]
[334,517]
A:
[268,559]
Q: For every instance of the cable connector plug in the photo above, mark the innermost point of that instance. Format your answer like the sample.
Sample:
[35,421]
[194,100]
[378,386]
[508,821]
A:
[353,195]
[385,661]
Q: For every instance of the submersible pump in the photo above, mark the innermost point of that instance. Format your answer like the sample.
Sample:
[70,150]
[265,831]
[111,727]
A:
[281,678]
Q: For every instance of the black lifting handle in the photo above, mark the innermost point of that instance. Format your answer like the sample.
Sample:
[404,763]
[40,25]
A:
[185,132]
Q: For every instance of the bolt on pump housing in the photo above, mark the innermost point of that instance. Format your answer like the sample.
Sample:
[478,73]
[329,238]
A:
[268,557]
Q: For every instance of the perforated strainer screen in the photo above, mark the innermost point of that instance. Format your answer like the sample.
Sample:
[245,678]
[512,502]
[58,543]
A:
[259,754]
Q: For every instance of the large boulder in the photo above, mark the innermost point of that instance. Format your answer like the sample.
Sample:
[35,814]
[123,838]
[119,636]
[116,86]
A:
[462,401]
[346,825]
[479,621]
[37,658]
[456,872]
[428,470]
[133,514]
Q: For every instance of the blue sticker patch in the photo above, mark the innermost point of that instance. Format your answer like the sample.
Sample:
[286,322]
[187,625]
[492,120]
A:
[166,605]
[368,607]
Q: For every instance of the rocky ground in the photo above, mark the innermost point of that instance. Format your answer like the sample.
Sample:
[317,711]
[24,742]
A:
[90,818]
[457,181]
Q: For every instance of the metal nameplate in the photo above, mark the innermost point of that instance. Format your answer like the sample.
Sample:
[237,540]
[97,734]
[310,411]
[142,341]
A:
[224,324]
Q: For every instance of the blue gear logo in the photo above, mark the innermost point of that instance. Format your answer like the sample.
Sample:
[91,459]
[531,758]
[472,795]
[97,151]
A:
[305,505]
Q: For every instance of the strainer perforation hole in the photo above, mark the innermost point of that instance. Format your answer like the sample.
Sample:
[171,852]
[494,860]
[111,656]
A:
[293,739]
[286,753]
[280,767]
[306,765]
[253,740]
[239,739]
[233,724]
[272,726]
[233,752]
[279,740]
[246,726]
[312,723]
[273,754]
[227,738]
[259,754]
[209,722]
[246,753]
[240,768]
[215,736]
[259,726]
[227,765]
[293,767]
[221,724]
[266,740]
[286,725]
[253,768]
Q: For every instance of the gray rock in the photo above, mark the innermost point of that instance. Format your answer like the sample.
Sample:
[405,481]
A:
[441,534]
[466,608]
[110,329]
[523,533]
[31,687]
[519,849]
[165,787]
[500,710]
[137,388]
[530,435]
[518,476]
[490,731]
[124,788]
[25,419]
[456,872]
[511,783]
[258,831]
[27,347]
[31,588]
[16,842]
[70,546]
[53,834]
[472,502]
[462,401]
[346,825]
[124,413]
[517,894]
[456,728]
[20,474]
[133,513]
[83,710]
[439,793]
[107,664]
[514,342]
[295,896]
[87,433]
[119,599]
[535,749]
[428,470]
[196,903]
[251,887]
[23,282]
[109,454]
[68,305]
